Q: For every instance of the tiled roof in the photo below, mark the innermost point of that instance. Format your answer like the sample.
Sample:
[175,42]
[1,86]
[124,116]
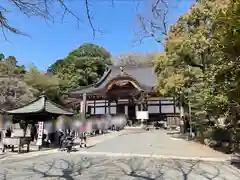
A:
[42,104]
[142,73]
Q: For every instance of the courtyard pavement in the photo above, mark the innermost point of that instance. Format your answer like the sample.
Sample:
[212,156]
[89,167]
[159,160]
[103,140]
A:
[156,143]
[91,141]
[140,143]
[125,155]
[73,166]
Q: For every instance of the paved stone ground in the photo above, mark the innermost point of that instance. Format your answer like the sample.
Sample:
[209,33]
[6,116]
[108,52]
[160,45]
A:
[73,166]
[156,143]
[142,143]
[91,141]
[110,164]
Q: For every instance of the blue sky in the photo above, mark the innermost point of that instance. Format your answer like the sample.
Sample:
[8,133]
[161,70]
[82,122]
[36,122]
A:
[51,41]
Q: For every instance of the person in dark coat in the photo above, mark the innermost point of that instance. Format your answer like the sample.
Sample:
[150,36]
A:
[61,138]
[33,132]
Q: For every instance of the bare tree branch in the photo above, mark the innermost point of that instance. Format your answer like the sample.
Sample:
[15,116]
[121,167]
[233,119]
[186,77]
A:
[5,25]
[89,18]
[154,27]
[41,8]
[154,24]
[134,59]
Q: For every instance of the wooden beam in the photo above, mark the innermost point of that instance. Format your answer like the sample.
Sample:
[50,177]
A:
[94,106]
[105,102]
[109,107]
[174,107]
[160,107]
[84,105]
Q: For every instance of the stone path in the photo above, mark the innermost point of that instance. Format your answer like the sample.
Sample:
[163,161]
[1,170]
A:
[141,143]
[92,141]
[156,143]
[62,165]
[124,155]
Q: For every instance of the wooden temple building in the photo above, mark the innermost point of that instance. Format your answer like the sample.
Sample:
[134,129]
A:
[125,90]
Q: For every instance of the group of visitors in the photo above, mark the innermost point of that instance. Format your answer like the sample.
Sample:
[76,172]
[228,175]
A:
[57,137]
[54,133]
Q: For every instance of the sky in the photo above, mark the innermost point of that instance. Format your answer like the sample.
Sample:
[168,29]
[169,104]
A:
[48,42]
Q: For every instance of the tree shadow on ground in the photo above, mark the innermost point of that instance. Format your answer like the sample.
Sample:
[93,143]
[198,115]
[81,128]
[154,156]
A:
[112,168]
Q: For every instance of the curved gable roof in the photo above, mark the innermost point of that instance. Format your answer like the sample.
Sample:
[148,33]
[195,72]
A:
[142,73]
[41,104]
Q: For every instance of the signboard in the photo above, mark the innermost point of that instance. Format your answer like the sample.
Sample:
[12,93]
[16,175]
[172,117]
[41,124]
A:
[40,133]
[142,115]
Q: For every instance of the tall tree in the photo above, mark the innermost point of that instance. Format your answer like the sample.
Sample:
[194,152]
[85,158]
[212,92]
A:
[14,92]
[9,66]
[43,83]
[82,66]
[187,69]
[201,60]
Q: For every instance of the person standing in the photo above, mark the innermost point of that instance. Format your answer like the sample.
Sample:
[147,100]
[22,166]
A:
[60,138]
[33,131]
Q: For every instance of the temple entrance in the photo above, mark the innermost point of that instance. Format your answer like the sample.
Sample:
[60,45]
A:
[125,89]
[132,112]
[120,109]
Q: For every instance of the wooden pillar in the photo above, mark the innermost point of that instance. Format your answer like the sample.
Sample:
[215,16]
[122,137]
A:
[2,134]
[109,107]
[146,105]
[160,107]
[145,102]
[105,106]
[139,107]
[174,110]
[116,106]
[94,105]
[84,106]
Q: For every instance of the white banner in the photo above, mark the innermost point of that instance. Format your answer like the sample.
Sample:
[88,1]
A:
[40,133]
[142,115]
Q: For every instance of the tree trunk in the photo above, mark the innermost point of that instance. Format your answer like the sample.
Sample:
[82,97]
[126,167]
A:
[201,132]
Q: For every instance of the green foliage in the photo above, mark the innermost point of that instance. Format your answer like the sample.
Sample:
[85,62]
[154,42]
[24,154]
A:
[83,66]
[1,56]
[14,92]
[201,59]
[18,86]
[8,66]
[91,50]
[43,83]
